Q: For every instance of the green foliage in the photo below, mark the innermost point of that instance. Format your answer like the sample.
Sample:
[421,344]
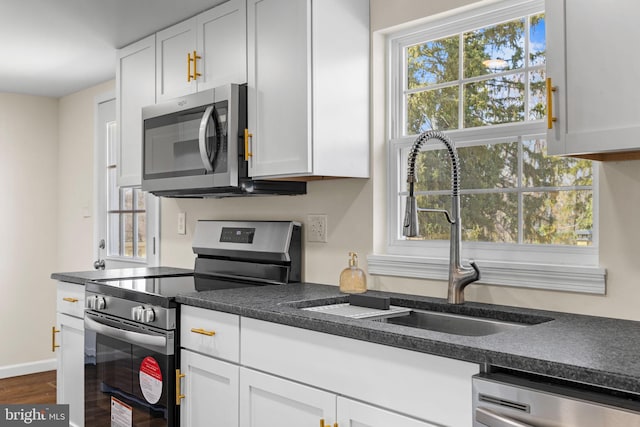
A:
[560,200]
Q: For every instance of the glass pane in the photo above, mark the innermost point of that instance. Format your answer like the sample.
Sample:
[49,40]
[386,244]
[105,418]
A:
[141,219]
[113,240]
[537,95]
[537,40]
[558,218]
[112,147]
[485,217]
[433,171]
[494,49]
[127,224]
[113,195]
[433,225]
[494,101]
[540,170]
[432,62]
[140,199]
[434,109]
[489,166]
[481,167]
[127,198]
[490,217]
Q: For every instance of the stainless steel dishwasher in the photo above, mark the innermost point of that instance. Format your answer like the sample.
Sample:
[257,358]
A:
[505,400]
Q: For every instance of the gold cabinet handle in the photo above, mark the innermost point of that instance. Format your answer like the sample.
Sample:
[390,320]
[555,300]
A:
[188,66]
[54,331]
[179,396]
[196,74]
[193,59]
[247,153]
[550,117]
[203,332]
[69,299]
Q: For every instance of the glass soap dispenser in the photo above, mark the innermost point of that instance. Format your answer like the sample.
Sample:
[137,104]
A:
[352,278]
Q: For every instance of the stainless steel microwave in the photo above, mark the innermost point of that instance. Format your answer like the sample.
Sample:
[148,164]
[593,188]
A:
[193,146]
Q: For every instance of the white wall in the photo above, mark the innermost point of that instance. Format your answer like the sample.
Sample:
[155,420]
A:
[28,226]
[75,186]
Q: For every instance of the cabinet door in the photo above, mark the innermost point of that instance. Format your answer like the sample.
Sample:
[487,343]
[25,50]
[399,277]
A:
[172,63]
[222,44]
[210,389]
[352,413]
[70,363]
[267,401]
[595,75]
[279,87]
[136,88]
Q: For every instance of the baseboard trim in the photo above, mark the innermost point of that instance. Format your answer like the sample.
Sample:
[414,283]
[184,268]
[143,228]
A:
[27,368]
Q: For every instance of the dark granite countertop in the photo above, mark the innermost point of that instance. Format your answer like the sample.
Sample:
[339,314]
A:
[80,277]
[586,349]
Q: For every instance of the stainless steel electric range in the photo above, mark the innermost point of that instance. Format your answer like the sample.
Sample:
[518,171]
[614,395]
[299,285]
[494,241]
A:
[131,326]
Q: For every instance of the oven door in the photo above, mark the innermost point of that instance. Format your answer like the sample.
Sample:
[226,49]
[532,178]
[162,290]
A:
[129,373]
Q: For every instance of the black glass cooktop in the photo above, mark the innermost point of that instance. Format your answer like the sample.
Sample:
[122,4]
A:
[162,290]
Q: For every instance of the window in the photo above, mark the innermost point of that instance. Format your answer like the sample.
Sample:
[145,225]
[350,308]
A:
[479,76]
[126,212]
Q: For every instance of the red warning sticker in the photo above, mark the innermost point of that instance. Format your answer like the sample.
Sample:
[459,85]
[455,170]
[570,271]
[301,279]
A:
[151,379]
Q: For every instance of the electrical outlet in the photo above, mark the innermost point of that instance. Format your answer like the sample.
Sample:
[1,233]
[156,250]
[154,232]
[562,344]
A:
[317,228]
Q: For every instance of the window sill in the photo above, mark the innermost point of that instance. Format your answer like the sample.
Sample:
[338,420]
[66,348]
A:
[583,279]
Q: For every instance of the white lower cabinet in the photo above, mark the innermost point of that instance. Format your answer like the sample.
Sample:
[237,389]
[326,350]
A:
[68,343]
[268,401]
[357,414]
[293,377]
[210,390]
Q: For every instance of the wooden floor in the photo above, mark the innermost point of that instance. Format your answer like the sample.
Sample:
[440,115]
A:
[35,388]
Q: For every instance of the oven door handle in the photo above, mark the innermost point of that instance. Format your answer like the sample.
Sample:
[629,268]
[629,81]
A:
[487,417]
[202,138]
[160,342]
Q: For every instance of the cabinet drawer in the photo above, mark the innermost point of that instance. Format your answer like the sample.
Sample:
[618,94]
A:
[210,332]
[70,299]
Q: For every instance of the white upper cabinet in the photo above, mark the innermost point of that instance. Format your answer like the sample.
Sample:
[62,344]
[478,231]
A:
[308,88]
[593,68]
[205,51]
[135,88]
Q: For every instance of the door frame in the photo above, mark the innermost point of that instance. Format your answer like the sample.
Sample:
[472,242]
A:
[99,209]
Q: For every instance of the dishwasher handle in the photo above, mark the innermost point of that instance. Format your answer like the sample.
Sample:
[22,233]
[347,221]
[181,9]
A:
[490,418]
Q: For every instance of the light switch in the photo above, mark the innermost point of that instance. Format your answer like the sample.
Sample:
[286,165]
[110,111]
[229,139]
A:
[182,223]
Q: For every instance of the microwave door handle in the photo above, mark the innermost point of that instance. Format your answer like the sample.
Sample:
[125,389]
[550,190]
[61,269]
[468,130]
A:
[131,337]
[489,418]
[208,113]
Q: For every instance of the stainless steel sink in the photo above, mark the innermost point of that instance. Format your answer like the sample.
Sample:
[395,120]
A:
[464,321]
[453,323]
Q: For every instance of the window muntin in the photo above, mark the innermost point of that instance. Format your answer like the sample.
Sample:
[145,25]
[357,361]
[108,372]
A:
[514,197]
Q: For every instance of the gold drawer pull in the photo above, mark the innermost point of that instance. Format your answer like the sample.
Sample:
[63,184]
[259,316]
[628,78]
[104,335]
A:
[179,395]
[54,331]
[69,299]
[203,332]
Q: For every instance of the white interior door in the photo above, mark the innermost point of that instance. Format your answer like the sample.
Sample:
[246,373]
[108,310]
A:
[126,229]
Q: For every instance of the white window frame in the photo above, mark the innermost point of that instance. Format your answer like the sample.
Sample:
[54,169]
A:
[554,267]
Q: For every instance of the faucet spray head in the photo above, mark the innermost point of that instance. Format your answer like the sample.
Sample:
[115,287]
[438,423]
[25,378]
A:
[410,225]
